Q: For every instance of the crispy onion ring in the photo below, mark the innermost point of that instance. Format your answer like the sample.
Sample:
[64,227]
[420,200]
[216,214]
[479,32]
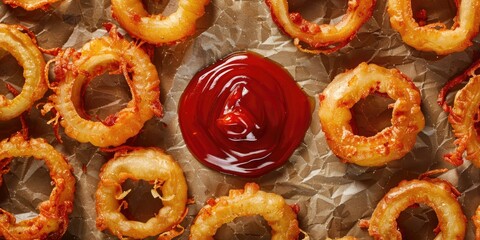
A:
[324,38]
[464,116]
[29,5]
[52,221]
[435,193]
[389,144]
[246,202]
[158,29]
[26,52]
[74,70]
[154,166]
[429,37]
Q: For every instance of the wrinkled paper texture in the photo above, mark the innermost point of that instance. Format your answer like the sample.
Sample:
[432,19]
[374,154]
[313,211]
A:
[332,196]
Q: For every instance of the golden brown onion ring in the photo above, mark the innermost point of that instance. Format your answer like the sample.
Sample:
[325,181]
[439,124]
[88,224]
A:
[151,165]
[52,221]
[435,193]
[246,202]
[429,37]
[464,116]
[158,29]
[324,38]
[26,52]
[74,70]
[389,144]
[29,5]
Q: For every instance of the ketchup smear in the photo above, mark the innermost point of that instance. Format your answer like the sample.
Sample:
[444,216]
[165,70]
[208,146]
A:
[244,115]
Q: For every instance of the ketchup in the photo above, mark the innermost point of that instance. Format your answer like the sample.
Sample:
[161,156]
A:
[244,115]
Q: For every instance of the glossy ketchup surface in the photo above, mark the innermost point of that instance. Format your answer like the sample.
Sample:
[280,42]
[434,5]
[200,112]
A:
[244,115]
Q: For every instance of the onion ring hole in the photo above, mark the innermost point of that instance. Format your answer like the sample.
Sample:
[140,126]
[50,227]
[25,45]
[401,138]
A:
[141,204]
[418,220]
[245,228]
[371,115]
[165,7]
[442,11]
[319,12]
[104,96]
[10,73]
[21,203]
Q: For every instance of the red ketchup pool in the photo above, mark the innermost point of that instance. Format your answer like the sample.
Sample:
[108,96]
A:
[244,115]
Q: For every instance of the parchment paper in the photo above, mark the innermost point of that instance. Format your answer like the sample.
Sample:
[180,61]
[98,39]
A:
[332,195]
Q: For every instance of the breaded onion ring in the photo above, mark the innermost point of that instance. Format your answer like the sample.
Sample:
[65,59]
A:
[389,144]
[74,70]
[324,38]
[435,193]
[246,202]
[430,37]
[52,221]
[26,52]
[29,5]
[158,29]
[154,166]
[464,116]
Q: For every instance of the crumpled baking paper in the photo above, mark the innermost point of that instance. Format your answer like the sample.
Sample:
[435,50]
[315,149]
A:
[332,196]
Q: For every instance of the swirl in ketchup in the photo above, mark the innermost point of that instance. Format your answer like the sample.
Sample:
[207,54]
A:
[244,115]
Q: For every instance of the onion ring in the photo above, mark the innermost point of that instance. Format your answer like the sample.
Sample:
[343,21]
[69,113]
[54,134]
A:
[149,164]
[435,193]
[52,221]
[158,29]
[429,37]
[26,52]
[324,38]
[464,115]
[29,5]
[73,70]
[246,202]
[389,144]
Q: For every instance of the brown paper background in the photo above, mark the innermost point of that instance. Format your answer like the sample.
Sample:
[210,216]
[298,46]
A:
[332,195]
